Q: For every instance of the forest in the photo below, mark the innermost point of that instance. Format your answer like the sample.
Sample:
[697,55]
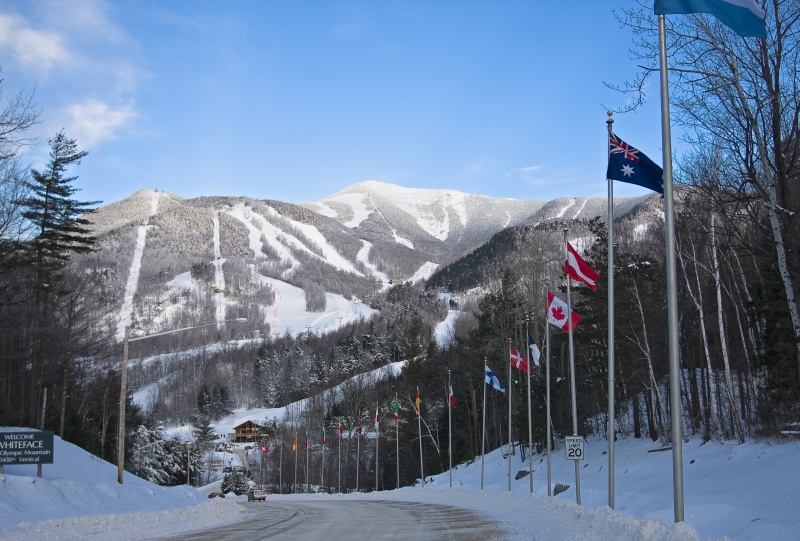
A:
[736,230]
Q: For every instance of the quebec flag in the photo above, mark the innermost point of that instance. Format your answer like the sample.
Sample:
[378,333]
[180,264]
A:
[745,17]
[492,380]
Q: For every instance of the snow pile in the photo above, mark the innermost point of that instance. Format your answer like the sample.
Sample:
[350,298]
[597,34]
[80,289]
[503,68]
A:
[78,484]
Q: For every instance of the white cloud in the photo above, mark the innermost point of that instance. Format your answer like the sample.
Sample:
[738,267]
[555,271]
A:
[94,121]
[35,49]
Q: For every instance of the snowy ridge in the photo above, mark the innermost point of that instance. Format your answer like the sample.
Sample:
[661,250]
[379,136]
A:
[363,256]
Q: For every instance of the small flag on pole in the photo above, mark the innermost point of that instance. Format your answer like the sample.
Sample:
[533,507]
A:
[377,419]
[323,435]
[533,348]
[416,403]
[451,396]
[340,432]
[396,411]
[557,313]
[294,444]
[305,443]
[264,449]
[745,17]
[518,360]
[492,380]
[578,269]
[627,164]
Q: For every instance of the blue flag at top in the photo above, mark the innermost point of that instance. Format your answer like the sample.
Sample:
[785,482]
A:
[533,348]
[745,17]
[492,380]
[630,165]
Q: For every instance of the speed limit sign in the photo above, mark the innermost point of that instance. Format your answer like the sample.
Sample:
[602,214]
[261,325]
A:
[574,447]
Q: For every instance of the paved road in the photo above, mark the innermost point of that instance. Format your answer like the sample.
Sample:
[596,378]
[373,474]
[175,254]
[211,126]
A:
[352,520]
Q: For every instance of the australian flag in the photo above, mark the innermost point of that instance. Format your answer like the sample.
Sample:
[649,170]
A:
[627,164]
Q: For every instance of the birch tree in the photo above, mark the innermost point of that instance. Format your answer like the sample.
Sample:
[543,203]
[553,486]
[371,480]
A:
[741,96]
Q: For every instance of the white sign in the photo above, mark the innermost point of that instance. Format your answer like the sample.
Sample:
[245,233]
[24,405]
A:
[574,447]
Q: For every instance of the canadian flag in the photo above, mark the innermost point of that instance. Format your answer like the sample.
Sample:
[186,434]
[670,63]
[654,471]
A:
[264,449]
[518,360]
[451,396]
[557,313]
[577,269]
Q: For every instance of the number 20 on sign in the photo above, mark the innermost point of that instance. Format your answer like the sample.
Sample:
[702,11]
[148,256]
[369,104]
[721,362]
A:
[574,446]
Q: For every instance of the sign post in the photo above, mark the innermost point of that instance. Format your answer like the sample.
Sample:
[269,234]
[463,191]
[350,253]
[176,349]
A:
[574,447]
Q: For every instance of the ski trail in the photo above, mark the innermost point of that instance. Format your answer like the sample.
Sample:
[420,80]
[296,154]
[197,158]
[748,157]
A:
[570,204]
[397,238]
[363,256]
[131,286]
[580,209]
[219,275]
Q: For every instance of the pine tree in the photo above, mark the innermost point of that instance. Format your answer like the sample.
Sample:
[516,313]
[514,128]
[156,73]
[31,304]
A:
[59,222]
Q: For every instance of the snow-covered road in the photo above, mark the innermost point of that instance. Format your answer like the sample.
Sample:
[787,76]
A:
[366,520]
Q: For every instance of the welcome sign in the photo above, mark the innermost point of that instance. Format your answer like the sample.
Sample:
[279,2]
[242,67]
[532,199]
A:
[26,448]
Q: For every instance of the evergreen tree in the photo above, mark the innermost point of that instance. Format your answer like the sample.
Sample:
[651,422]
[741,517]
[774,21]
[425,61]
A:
[60,227]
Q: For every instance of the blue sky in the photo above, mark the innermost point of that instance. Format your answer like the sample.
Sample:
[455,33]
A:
[296,100]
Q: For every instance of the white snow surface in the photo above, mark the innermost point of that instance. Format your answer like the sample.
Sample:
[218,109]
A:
[358,204]
[126,312]
[424,272]
[363,256]
[742,492]
[288,314]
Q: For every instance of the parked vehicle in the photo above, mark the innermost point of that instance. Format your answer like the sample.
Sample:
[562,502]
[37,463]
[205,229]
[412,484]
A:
[256,494]
[216,495]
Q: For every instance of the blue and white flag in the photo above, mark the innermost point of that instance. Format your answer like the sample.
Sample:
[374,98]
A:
[492,380]
[630,165]
[745,17]
[533,348]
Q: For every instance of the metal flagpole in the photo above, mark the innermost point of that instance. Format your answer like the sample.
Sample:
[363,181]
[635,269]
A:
[397,435]
[419,428]
[510,444]
[322,475]
[449,428]
[339,486]
[358,452]
[308,477]
[295,461]
[572,378]
[377,439]
[611,388]
[483,431]
[530,417]
[280,469]
[672,281]
[547,398]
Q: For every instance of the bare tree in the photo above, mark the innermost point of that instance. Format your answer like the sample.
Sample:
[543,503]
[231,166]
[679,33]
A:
[741,97]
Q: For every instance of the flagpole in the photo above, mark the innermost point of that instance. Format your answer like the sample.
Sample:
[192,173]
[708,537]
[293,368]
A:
[308,477]
[510,445]
[611,387]
[295,462]
[530,421]
[377,439]
[483,431]
[449,428]
[397,436]
[322,475]
[672,280]
[572,377]
[280,468]
[547,399]
[358,452]
[339,486]
[419,428]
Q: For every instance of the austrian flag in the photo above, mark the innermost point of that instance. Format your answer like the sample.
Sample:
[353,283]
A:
[577,269]
[557,313]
